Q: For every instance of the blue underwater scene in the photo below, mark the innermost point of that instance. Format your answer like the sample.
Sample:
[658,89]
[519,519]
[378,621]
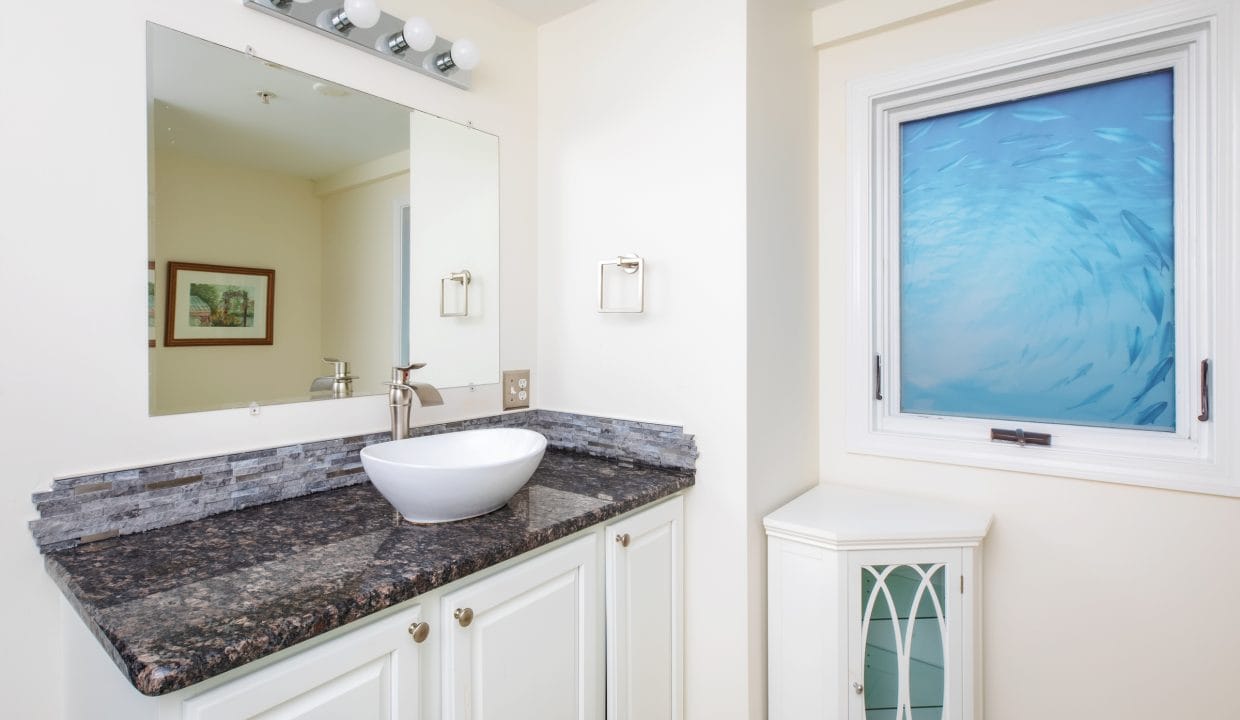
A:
[1037,258]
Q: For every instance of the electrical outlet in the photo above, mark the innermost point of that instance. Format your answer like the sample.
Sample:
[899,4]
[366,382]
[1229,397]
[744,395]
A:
[516,389]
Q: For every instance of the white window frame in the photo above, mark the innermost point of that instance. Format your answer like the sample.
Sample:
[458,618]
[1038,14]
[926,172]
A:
[1195,39]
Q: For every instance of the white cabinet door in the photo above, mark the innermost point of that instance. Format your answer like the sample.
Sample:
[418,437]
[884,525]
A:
[904,650]
[523,644]
[645,614]
[367,674]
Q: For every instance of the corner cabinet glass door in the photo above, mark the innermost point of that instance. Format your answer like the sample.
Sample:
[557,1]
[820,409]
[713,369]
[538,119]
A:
[904,636]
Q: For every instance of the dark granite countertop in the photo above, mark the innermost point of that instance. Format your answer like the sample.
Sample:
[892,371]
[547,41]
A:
[181,604]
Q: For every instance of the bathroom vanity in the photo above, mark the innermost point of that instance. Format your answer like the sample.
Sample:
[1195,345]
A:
[295,220]
[563,603]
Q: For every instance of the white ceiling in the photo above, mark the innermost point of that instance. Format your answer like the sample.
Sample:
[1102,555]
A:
[206,103]
[541,11]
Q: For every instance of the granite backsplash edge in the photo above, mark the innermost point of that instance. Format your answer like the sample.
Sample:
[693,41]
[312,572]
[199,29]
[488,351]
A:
[98,506]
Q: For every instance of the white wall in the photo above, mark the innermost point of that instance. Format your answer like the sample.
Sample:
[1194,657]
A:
[642,149]
[1101,600]
[782,342]
[74,209]
[652,140]
[455,223]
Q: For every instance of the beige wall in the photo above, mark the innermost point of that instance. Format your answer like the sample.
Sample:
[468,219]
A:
[74,204]
[221,214]
[361,233]
[1100,600]
[695,153]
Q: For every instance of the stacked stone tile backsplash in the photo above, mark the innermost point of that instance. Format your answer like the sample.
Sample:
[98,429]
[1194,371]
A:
[103,505]
[625,440]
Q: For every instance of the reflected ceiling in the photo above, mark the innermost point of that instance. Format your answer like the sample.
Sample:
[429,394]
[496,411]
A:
[208,103]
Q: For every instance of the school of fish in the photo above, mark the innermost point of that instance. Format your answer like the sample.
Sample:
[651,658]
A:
[1038,256]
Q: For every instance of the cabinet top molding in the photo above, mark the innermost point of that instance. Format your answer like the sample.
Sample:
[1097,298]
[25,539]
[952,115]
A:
[840,517]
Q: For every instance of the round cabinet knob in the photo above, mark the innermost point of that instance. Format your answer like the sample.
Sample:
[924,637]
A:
[464,616]
[858,688]
[623,540]
[418,631]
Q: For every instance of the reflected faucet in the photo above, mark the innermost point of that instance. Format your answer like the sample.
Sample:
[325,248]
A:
[400,398]
[340,382]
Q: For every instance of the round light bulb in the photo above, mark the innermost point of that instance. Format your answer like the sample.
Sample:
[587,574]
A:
[466,54]
[419,34]
[362,13]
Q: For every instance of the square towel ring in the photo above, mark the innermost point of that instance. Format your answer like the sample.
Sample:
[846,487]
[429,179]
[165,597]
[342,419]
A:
[632,265]
[464,278]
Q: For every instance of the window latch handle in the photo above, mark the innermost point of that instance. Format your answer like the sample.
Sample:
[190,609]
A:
[1205,391]
[1020,437]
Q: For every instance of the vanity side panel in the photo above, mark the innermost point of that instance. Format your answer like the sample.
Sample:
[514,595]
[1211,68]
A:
[92,680]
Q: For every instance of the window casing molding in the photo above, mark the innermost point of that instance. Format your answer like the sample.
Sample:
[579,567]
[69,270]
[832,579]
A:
[1196,40]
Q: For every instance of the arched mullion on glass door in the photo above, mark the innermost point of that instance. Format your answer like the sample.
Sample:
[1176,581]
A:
[902,637]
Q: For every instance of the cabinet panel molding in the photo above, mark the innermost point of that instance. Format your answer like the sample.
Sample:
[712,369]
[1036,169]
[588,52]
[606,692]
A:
[523,644]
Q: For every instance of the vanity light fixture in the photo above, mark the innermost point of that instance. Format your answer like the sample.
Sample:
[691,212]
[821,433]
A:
[464,54]
[417,34]
[356,13]
[411,43]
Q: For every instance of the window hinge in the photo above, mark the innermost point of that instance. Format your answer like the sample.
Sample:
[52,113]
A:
[878,377]
[962,584]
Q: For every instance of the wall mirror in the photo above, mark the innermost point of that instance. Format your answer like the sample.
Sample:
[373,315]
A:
[294,219]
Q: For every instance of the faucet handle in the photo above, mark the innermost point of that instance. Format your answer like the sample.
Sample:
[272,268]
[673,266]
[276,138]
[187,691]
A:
[401,374]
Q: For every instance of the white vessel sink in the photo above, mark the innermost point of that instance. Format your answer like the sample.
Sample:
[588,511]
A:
[441,478]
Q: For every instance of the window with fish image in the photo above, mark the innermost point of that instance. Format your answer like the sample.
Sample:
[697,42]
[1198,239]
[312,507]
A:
[1037,258]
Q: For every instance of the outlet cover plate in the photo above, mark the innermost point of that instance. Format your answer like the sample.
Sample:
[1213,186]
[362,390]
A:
[516,389]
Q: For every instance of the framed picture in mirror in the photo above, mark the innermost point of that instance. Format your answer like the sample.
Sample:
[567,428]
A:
[150,303]
[219,305]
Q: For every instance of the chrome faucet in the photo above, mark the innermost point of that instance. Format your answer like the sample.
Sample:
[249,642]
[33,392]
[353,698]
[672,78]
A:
[400,398]
[340,382]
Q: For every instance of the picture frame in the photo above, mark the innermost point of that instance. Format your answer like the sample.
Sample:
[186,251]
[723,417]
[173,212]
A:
[218,305]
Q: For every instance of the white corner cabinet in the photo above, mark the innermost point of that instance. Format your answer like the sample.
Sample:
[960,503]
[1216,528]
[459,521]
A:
[521,641]
[874,607]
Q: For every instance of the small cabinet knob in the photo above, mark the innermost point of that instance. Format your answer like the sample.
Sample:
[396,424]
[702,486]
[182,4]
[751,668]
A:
[623,540]
[464,616]
[418,631]
[858,688]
